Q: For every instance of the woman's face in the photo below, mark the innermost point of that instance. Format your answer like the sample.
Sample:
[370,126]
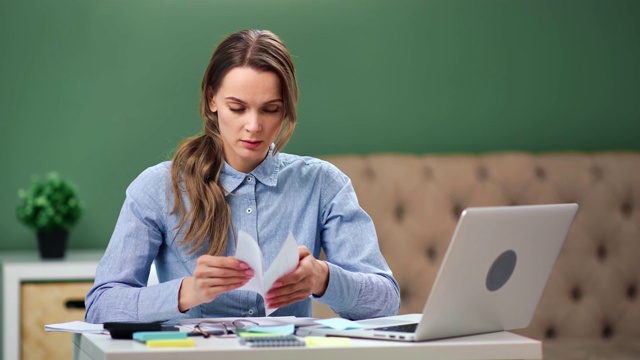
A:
[250,114]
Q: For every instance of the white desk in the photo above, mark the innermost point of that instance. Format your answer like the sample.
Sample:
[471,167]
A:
[502,345]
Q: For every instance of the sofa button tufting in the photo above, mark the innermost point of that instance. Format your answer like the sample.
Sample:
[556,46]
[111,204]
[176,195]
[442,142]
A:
[576,294]
[596,173]
[540,173]
[457,210]
[550,333]
[432,254]
[404,294]
[607,331]
[601,251]
[399,212]
[482,173]
[428,173]
[632,292]
[369,173]
[626,209]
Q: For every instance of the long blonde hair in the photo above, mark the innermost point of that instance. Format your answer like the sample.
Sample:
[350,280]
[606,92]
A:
[198,161]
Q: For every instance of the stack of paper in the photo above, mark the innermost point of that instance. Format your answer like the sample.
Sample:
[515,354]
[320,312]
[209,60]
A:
[75,327]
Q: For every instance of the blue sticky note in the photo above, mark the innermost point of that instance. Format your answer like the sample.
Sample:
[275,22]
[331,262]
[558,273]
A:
[339,324]
[280,330]
[159,335]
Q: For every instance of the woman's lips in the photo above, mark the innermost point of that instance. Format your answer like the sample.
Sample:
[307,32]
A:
[250,144]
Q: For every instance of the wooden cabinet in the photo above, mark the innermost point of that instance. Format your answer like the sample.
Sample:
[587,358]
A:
[37,292]
[49,303]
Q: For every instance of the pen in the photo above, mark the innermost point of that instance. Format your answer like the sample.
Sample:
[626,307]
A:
[199,334]
[205,334]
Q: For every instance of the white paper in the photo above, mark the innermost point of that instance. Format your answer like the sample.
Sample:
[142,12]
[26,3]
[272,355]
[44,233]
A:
[285,262]
[249,251]
[75,327]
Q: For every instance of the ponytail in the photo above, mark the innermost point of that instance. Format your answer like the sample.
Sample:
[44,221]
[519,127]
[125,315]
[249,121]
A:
[195,170]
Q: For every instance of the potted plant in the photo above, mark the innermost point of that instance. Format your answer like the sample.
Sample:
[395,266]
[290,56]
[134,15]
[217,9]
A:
[51,208]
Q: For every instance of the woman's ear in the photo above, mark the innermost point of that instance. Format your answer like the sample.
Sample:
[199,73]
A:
[211,102]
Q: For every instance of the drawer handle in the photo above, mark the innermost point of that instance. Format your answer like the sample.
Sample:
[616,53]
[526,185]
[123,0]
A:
[74,304]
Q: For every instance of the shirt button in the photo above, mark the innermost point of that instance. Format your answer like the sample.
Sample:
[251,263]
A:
[250,311]
[249,178]
[249,211]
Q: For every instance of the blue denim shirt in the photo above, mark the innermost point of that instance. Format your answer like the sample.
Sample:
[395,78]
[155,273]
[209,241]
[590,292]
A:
[286,193]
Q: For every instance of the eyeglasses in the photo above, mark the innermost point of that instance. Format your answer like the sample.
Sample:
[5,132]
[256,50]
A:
[220,328]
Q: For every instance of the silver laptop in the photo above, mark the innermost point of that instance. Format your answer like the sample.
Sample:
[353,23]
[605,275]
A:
[491,278]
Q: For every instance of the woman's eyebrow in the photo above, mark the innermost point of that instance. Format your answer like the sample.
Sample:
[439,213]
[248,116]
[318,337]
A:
[235,99]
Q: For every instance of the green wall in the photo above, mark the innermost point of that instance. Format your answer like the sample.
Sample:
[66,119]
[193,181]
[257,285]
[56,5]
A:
[100,90]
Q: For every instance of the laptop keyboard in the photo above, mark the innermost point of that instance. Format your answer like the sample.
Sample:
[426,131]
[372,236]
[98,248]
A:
[408,328]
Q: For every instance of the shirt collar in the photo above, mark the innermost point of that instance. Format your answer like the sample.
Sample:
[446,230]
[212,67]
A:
[266,173]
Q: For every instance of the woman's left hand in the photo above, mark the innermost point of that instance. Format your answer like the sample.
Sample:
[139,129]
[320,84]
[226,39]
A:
[310,277]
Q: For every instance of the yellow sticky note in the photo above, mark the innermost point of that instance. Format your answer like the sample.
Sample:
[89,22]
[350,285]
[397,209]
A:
[327,341]
[171,343]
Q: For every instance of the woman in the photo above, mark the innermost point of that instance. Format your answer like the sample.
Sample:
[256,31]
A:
[185,214]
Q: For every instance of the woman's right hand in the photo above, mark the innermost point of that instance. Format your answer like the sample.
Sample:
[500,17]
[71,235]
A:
[213,276]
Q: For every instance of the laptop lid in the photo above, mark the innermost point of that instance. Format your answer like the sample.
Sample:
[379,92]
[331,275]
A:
[492,276]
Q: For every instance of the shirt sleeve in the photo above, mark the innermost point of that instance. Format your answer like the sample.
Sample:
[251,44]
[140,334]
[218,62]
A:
[361,284]
[120,291]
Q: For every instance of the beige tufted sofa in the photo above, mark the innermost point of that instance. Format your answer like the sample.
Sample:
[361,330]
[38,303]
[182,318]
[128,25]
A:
[591,304]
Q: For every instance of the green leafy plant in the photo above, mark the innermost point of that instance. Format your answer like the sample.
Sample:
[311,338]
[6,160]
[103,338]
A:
[51,203]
